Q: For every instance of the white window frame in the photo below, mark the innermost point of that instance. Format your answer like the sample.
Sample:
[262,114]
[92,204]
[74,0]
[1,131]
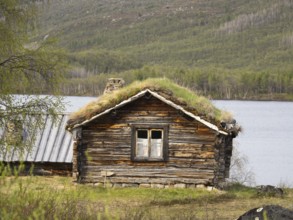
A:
[149,142]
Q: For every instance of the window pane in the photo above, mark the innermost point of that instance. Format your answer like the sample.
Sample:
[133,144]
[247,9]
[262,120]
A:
[156,144]
[142,134]
[156,134]
[142,149]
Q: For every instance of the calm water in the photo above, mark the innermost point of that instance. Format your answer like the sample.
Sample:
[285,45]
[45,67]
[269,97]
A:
[74,103]
[267,138]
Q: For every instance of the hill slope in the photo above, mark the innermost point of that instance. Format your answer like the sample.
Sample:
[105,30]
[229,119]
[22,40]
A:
[115,35]
[224,49]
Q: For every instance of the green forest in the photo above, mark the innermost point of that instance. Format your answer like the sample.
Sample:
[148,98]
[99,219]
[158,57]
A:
[223,49]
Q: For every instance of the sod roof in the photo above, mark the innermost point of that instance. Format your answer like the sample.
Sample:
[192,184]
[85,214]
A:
[187,99]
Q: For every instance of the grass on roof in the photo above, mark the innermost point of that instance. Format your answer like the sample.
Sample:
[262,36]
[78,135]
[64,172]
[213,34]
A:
[165,87]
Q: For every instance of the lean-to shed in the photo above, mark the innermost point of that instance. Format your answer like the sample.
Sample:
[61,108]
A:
[48,151]
[151,133]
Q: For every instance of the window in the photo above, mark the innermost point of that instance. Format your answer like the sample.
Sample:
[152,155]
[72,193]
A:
[149,143]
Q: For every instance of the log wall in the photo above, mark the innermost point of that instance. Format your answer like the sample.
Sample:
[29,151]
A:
[194,150]
[41,169]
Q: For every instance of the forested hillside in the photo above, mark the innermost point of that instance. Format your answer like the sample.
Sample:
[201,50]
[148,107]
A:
[223,48]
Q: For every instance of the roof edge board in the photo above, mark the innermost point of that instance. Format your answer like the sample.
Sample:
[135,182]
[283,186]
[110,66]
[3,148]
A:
[208,124]
[168,102]
[132,98]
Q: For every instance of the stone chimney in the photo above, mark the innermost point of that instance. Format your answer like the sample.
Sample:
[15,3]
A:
[113,84]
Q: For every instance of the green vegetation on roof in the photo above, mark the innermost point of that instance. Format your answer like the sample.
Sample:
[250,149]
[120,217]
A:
[184,97]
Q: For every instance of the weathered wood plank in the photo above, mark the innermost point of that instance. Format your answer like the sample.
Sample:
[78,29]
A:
[166,181]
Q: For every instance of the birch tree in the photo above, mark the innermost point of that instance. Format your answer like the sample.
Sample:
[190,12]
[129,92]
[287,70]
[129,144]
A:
[30,68]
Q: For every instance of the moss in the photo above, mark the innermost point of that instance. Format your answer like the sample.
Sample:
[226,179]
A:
[184,97]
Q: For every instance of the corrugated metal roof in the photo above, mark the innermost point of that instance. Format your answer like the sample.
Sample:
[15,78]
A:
[52,144]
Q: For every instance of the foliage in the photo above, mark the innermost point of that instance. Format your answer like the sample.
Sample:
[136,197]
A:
[253,35]
[103,61]
[215,83]
[241,191]
[22,117]
[240,174]
[25,67]
[58,198]
[222,49]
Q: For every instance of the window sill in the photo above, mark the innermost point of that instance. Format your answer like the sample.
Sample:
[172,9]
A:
[148,160]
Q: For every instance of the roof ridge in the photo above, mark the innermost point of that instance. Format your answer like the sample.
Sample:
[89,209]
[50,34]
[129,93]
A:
[160,97]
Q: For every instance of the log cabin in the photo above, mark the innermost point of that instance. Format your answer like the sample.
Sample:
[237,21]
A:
[152,133]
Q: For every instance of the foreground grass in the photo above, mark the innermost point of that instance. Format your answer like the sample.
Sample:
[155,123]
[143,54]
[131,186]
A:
[60,198]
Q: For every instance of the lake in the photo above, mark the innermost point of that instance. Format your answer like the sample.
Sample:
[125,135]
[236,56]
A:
[267,138]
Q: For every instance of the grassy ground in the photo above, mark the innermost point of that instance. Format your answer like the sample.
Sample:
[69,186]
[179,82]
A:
[60,198]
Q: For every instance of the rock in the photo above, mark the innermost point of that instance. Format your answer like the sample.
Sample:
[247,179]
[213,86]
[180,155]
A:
[270,212]
[201,186]
[159,186]
[99,184]
[225,185]
[268,190]
[108,185]
[180,185]
[129,185]
[145,185]
[117,185]
[42,172]
[210,188]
